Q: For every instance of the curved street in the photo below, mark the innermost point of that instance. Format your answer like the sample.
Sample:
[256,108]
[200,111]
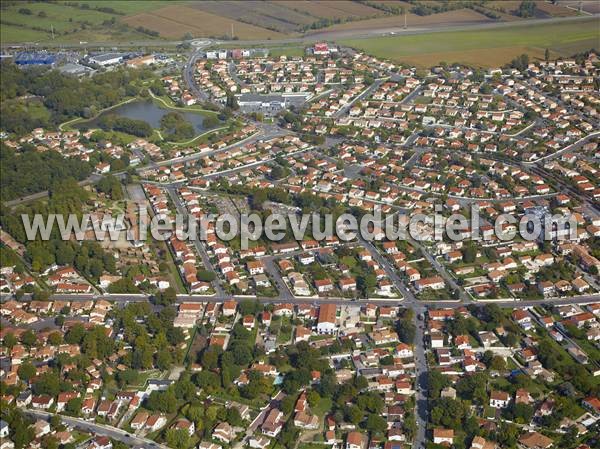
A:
[99,429]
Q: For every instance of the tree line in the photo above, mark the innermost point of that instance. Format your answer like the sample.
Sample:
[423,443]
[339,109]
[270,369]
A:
[30,171]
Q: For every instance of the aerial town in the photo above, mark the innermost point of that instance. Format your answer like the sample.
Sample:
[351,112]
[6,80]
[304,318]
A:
[113,338]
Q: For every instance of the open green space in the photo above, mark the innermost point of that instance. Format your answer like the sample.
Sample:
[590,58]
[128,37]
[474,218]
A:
[487,48]
[72,22]
[129,6]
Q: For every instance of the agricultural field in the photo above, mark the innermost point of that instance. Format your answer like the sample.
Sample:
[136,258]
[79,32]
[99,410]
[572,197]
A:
[589,6]
[288,17]
[173,22]
[118,20]
[542,9]
[130,6]
[271,16]
[474,47]
[342,9]
[449,18]
[25,22]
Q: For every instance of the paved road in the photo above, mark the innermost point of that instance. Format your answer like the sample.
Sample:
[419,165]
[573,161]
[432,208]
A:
[364,94]
[416,156]
[99,429]
[260,418]
[421,381]
[586,199]
[261,134]
[182,210]
[389,270]
[442,272]
[188,76]
[572,147]
[273,270]
[266,132]
[141,297]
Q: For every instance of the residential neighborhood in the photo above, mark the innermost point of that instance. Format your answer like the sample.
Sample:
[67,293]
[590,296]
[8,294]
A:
[296,243]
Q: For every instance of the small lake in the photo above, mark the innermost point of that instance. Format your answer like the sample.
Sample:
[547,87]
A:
[149,112]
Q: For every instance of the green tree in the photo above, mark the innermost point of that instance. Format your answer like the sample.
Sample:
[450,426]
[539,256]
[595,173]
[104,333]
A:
[313,398]
[75,335]
[26,371]
[210,358]
[376,423]
[163,360]
[353,414]
[166,297]
[469,253]
[233,417]
[29,338]
[498,363]
[436,382]
[73,407]
[177,438]
[48,383]
[55,338]
[9,340]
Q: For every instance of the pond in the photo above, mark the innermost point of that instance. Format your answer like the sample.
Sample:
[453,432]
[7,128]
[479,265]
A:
[149,112]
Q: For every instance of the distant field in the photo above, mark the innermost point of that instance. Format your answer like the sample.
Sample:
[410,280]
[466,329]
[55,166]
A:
[269,15]
[9,33]
[121,20]
[130,6]
[288,16]
[175,21]
[398,3]
[488,48]
[556,10]
[330,9]
[590,6]
[543,8]
[70,23]
[456,17]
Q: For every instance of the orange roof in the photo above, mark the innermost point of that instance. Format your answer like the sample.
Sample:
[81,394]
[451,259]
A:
[327,313]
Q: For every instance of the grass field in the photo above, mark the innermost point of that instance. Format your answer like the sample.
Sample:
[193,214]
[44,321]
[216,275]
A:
[70,23]
[130,6]
[485,48]
[290,51]
[10,33]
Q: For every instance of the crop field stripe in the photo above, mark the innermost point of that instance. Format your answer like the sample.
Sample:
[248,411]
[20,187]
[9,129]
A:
[197,21]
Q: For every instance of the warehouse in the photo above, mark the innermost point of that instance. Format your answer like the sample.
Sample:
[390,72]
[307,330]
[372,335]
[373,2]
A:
[106,59]
[35,58]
